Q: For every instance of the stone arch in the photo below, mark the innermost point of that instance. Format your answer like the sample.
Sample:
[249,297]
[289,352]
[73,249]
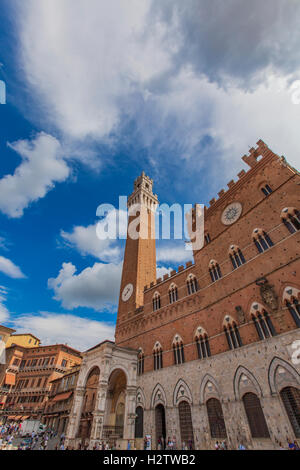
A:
[292,377]
[140,398]
[119,367]
[250,384]
[158,396]
[182,393]
[89,372]
[209,381]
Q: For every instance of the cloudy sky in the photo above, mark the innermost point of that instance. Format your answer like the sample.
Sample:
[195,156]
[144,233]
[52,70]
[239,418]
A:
[98,91]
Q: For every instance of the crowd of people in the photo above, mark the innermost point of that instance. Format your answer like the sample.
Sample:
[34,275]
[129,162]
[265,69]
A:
[10,434]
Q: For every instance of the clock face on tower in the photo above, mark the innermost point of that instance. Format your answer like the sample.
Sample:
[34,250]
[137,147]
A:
[127,292]
[232,213]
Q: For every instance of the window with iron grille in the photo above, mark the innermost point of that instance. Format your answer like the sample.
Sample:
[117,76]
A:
[291,400]
[186,425]
[255,416]
[216,418]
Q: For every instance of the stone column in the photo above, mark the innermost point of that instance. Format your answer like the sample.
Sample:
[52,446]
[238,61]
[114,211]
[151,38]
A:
[130,407]
[99,412]
[75,414]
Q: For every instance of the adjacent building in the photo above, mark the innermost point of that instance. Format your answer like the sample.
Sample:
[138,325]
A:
[27,340]
[29,373]
[211,351]
[58,407]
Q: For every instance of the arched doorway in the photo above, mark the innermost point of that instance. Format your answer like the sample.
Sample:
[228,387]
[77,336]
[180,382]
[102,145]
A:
[89,402]
[186,425]
[256,419]
[139,422]
[291,399]
[115,406]
[216,418]
[160,425]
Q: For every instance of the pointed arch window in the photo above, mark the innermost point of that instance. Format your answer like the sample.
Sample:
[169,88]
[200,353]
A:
[291,400]
[178,350]
[290,297]
[232,333]
[202,343]
[192,284]
[216,418]
[141,357]
[214,270]
[173,293]
[261,240]
[157,356]
[255,416]
[291,219]
[236,256]
[156,302]
[262,321]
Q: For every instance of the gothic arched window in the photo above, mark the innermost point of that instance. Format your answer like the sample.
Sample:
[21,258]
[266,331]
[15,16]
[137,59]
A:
[140,368]
[291,219]
[255,416]
[203,348]
[192,285]
[216,418]
[236,256]
[157,356]
[178,350]
[262,240]
[290,297]
[262,321]
[214,270]
[232,333]
[173,293]
[156,302]
[291,400]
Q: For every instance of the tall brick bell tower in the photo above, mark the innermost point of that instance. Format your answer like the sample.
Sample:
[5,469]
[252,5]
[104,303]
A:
[139,266]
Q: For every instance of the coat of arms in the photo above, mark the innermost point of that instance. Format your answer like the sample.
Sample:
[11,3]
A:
[267,293]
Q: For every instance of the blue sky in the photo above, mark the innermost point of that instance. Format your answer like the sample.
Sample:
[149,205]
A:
[96,93]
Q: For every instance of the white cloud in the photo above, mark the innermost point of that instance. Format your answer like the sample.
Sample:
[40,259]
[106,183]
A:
[84,58]
[4,313]
[162,270]
[179,75]
[96,287]
[174,252]
[87,242]
[42,166]
[79,333]
[10,269]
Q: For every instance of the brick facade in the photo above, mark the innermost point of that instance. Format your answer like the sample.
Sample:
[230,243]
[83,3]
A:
[226,341]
